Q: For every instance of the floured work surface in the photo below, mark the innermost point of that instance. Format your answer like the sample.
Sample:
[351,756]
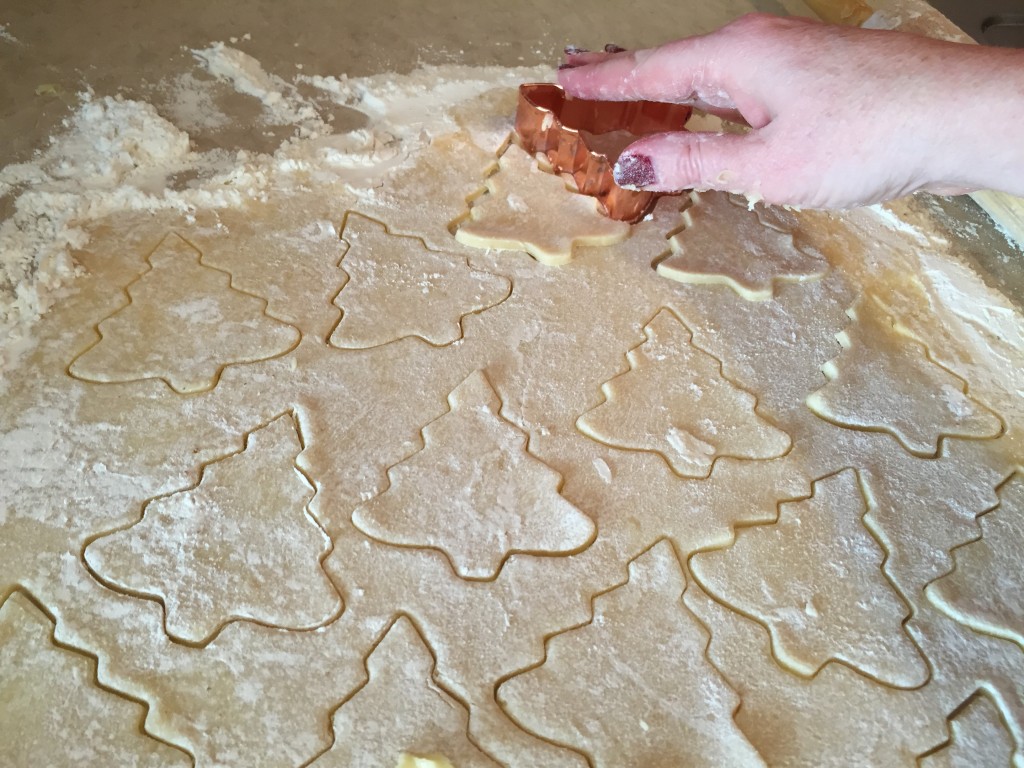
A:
[296,477]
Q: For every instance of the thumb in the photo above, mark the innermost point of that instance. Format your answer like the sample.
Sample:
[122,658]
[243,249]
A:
[669,162]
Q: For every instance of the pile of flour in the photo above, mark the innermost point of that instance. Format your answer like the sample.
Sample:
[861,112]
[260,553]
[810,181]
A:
[117,155]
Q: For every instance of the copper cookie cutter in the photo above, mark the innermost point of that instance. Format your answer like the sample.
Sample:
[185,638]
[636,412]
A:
[549,122]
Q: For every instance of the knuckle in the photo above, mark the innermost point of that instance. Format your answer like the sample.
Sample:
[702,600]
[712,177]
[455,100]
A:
[691,163]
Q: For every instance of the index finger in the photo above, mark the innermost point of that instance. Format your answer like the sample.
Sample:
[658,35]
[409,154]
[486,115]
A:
[675,72]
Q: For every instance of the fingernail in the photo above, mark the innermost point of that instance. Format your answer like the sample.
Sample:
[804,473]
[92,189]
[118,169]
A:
[562,67]
[634,171]
[613,48]
[572,50]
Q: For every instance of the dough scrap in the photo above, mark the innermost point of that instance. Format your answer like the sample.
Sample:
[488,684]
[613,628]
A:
[886,380]
[423,717]
[475,493]
[184,323]
[675,401]
[241,545]
[527,209]
[837,605]
[398,288]
[985,590]
[405,760]
[53,714]
[753,258]
[633,687]
[977,737]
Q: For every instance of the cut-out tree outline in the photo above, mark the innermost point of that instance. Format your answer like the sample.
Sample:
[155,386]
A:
[885,380]
[792,577]
[220,522]
[394,277]
[985,588]
[58,685]
[431,718]
[633,685]
[176,326]
[661,405]
[753,260]
[513,212]
[489,497]
[977,736]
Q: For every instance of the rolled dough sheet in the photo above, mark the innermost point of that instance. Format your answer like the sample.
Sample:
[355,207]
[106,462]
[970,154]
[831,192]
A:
[317,483]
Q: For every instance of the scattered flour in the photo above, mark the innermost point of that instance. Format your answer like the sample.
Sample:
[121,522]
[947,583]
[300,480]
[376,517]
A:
[895,223]
[280,99]
[113,149]
[6,36]
[422,100]
[1008,236]
[954,287]
[191,103]
[118,155]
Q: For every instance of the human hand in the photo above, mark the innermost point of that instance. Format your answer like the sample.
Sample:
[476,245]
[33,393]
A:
[839,116]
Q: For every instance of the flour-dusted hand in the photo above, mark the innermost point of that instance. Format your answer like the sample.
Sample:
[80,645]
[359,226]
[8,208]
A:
[839,116]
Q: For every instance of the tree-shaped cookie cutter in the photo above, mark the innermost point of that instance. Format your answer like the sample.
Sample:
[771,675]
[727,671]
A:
[550,122]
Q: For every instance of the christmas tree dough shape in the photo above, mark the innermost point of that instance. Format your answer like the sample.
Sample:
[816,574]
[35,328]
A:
[474,492]
[675,401]
[725,243]
[985,590]
[239,546]
[398,288]
[52,712]
[634,686]
[837,605]
[423,719]
[526,209]
[977,737]
[184,323]
[885,380]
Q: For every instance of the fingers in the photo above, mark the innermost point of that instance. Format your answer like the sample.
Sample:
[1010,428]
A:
[672,73]
[669,162]
[575,57]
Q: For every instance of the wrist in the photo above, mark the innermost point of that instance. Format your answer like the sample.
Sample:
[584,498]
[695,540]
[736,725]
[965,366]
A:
[980,131]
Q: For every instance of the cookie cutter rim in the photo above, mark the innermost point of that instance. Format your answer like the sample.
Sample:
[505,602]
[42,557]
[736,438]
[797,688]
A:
[550,122]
